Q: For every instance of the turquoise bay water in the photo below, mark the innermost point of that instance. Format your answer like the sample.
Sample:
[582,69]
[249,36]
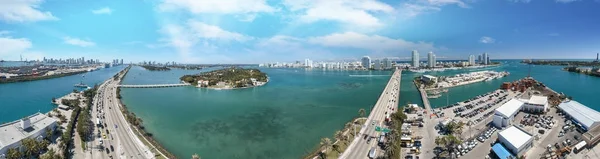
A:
[283,119]
[18,100]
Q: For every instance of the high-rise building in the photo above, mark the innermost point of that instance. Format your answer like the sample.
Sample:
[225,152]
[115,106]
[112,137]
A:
[479,59]
[387,63]
[485,58]
[430,60]
[121,61]
[415,58]
[307,63]
[471,60]
[377,64]
[366,62]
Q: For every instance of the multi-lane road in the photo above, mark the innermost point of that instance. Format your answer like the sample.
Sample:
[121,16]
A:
[387,103]
[120,141]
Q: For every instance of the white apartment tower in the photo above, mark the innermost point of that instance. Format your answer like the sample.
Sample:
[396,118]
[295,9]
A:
[387,63]
[472,60]
[415,58]
[431,60]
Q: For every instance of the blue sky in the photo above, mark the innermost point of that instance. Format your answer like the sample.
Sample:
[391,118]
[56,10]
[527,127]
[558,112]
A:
[256,31]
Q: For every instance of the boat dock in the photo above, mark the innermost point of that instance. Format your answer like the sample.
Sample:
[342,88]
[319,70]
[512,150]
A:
[153,85]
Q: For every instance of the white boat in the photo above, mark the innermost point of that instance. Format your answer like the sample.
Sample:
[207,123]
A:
[81,85]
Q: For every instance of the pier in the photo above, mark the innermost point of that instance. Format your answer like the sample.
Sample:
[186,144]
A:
[153,85]
[387,103]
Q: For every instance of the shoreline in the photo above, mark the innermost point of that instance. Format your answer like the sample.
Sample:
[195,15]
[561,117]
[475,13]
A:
[345,132]
[143,135]
[19,80]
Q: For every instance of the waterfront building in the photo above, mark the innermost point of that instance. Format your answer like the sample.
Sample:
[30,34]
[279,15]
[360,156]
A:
[366,62]
[33,126]
[517,141]
[431,60]
[377,64]
[429,78]
[479,59]
[504,115]
[582,115]
[472,60]
[415,59]
[536,104]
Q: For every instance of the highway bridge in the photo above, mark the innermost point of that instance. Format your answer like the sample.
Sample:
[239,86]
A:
[153,85]
[387,103]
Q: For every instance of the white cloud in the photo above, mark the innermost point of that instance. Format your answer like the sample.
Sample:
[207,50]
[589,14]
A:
[352,12]
[417,7]
[281,41]
[203,30]
[23,11]
[372,42]
[178,38]
[238,7]
[487,40]
[78,42]
[13,45]
[104,10]
[195,34]
[565,1]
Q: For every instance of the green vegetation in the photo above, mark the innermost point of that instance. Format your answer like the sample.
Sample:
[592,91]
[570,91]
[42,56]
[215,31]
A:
[329,148]
[156,68]
[35,78]
[70,102]
[447,142]
[85,125]
[234,77]
[394,150]
[66,139]
[563,63]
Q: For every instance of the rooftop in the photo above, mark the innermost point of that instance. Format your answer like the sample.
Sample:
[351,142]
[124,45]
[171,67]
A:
[501,151]
[509,108]
[515,136]
[13,132]
[538,100]
[585,115]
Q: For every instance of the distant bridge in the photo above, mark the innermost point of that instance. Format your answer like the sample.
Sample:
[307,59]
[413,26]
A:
[153,85]
[368,75]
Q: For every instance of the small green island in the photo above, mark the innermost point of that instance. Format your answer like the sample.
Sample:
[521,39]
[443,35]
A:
[228,78]
[155,68]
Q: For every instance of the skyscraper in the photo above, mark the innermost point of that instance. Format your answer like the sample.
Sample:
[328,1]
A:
[471,60]
[431,60]
[485,58]
[366,62]
[377,64]
[479,59]
[387,63]
[415,58]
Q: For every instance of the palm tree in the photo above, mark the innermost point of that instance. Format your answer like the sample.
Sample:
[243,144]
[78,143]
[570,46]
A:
[362,112]
[50,154]
[339,135]
[29,145]
[195,156]
[336,147]
[13,153]
[326,143]
[48,134]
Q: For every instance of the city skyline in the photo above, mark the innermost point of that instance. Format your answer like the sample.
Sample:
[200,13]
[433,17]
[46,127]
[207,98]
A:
[266,31]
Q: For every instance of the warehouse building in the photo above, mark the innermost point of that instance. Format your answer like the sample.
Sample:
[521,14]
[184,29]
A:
[582,115]
[504,115]
[517,141]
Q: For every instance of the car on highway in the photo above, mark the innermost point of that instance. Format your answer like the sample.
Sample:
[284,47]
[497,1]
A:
[369,140]
[112,148]
[107,151]
[372,152]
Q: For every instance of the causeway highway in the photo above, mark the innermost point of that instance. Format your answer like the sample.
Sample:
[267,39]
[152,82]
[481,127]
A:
[387,103]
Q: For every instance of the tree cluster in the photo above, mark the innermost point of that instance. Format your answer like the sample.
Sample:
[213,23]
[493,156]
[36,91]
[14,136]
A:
[237,77]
